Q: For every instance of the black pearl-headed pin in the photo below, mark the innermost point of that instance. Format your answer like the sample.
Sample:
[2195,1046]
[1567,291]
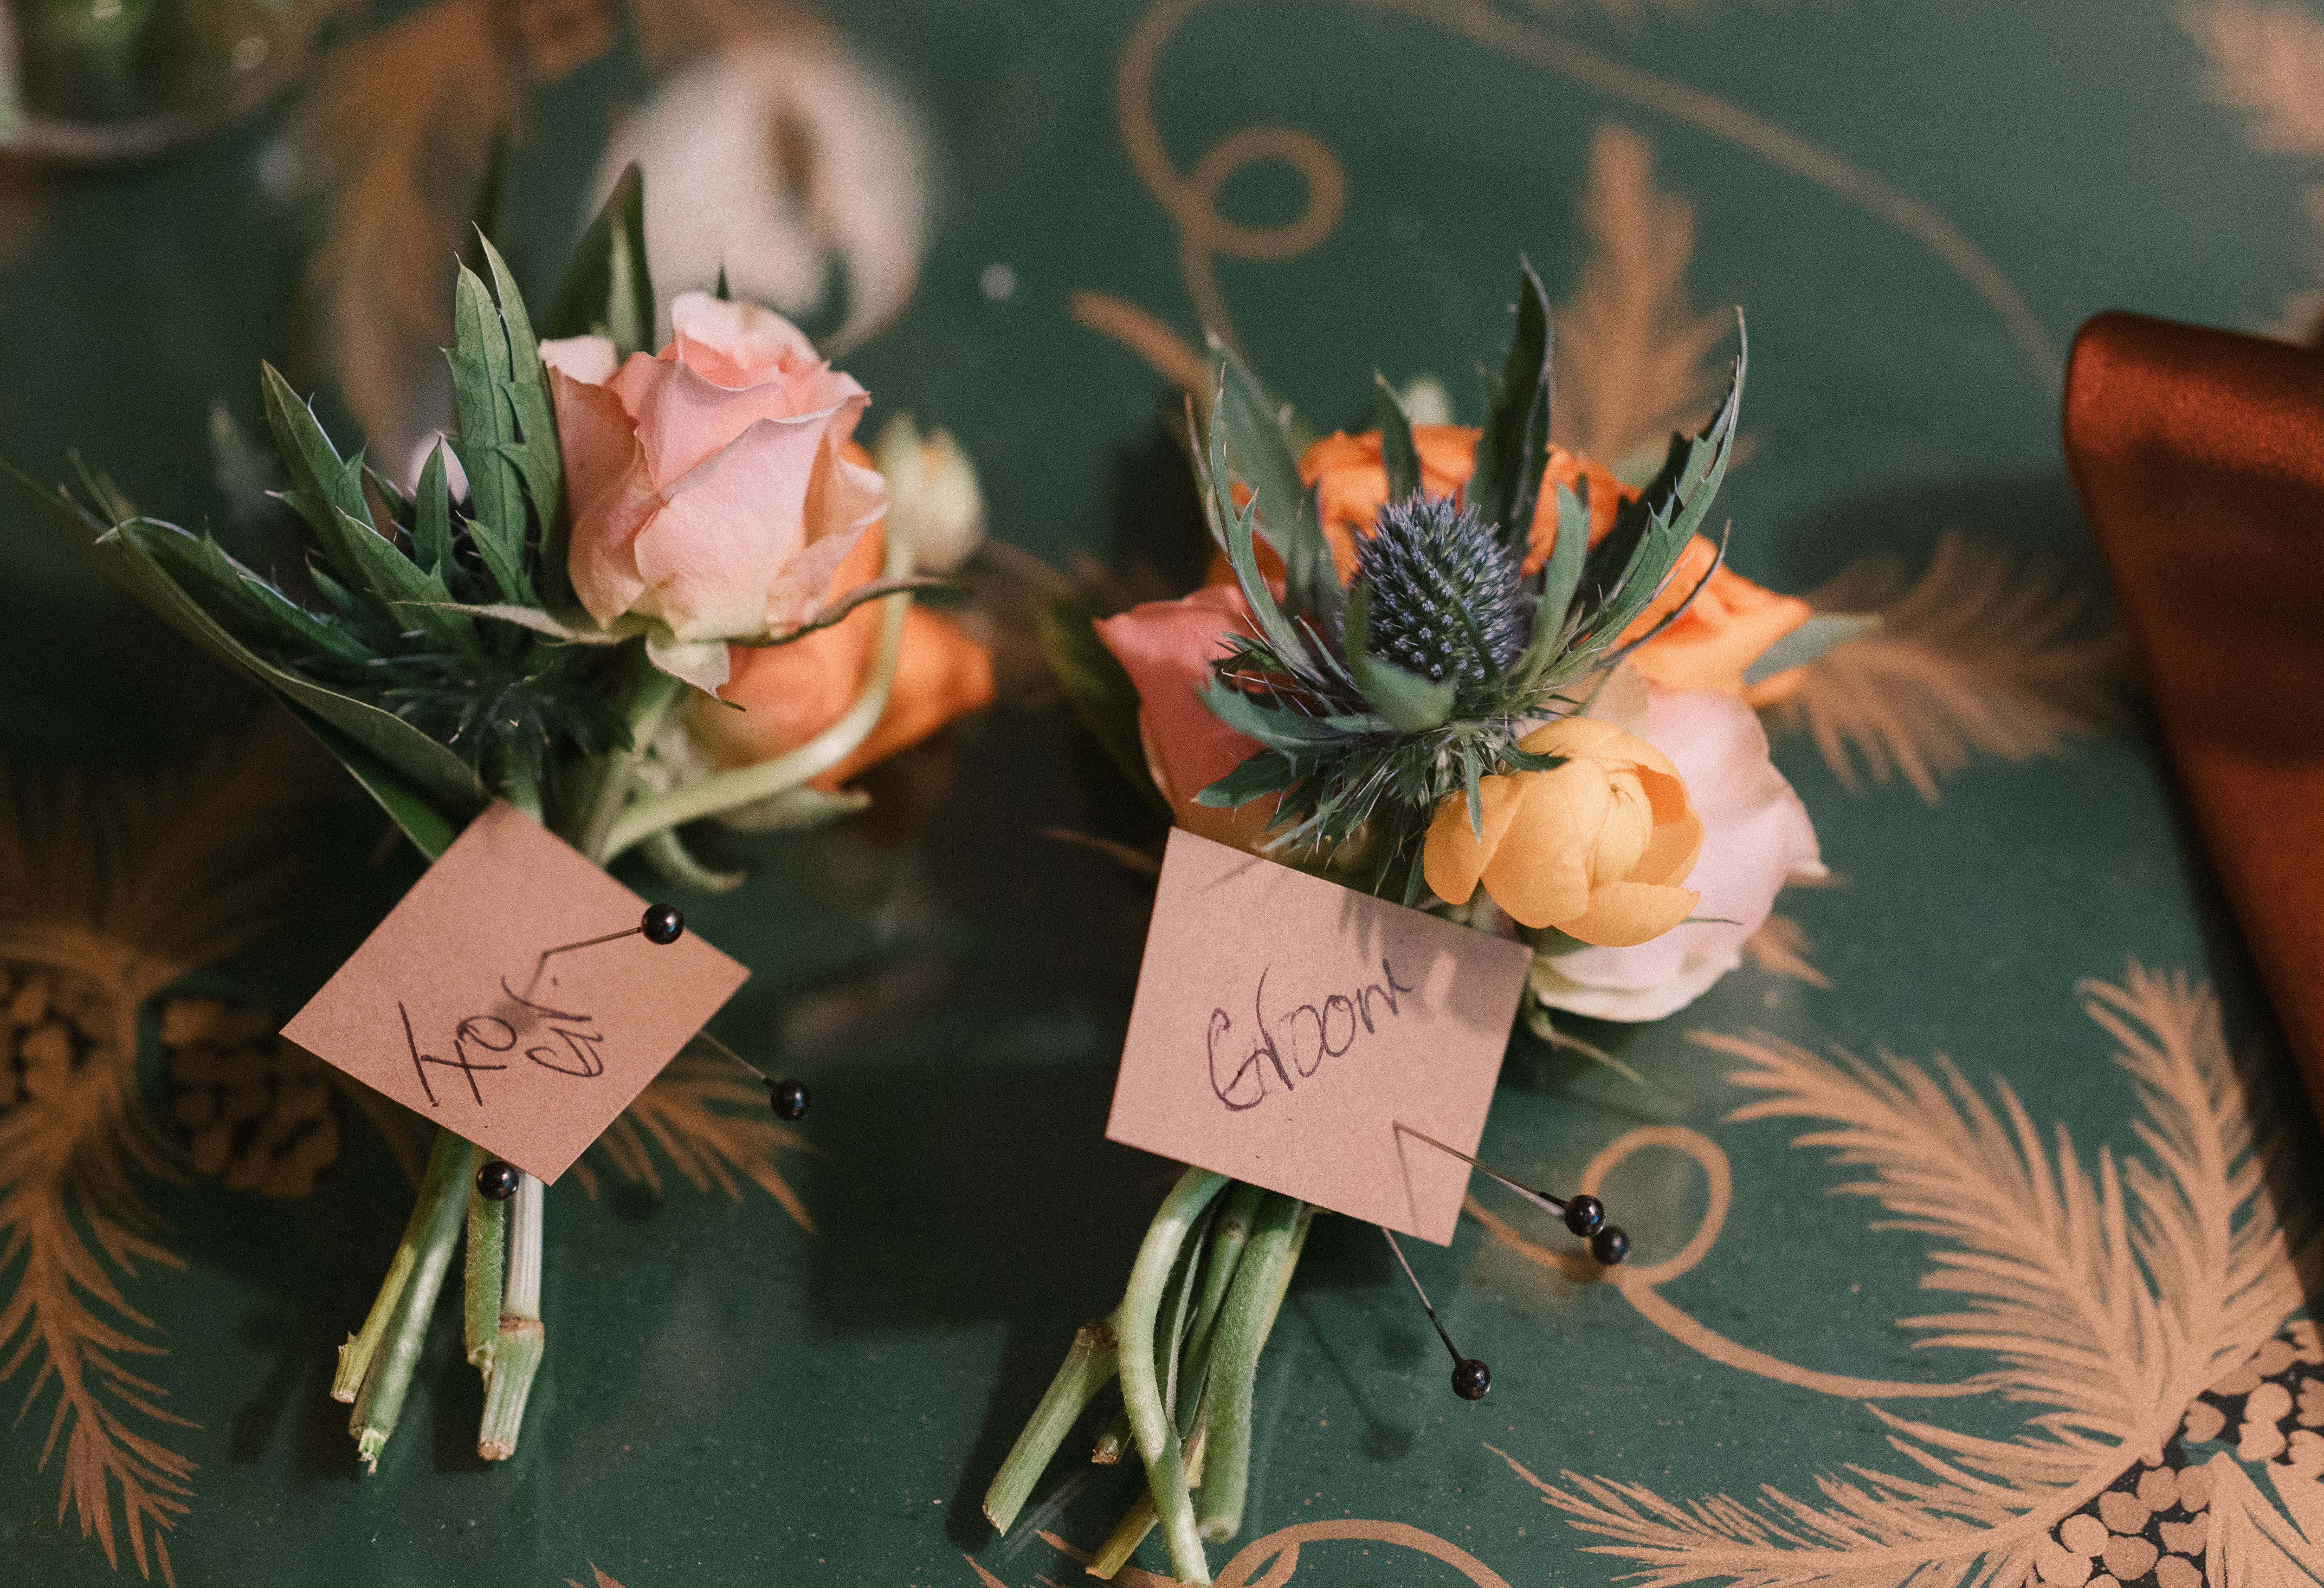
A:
[1585,1216]
[1610,1245]
[497,1180]
[1470,1378]
[663,924]
[791,1098]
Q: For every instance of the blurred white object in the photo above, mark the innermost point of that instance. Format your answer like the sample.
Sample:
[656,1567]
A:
[773,158]
[933,496]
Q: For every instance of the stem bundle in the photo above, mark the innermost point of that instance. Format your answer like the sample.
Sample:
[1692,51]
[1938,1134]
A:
[1202,1296]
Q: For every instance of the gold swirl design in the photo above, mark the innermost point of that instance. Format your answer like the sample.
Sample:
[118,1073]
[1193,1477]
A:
[1639,1284]
[1204,234]
[1282,1547]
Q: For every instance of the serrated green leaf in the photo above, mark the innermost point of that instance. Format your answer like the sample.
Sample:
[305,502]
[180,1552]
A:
[1561,576]
[608,289]
[1270,772]
[1094,683]
[417,599]
[429,828]
[1233,529]
[1408,702]
[1398,452]
[78,524]
[433,776]
[431,517]
[1259,453]
[1513,449]
[1284,730]
[326,489]
[508,433]
[1472,782]
[392,497]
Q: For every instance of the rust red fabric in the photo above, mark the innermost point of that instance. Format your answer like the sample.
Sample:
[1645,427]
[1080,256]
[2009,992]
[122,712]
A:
[2199,455]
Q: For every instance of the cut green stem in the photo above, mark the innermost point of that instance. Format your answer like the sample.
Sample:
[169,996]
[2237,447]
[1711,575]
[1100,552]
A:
[448,1158]
[436,1223]
[1090,1365]
[1244,1324]
[1158,1436]
[521,1337]
[488,1255]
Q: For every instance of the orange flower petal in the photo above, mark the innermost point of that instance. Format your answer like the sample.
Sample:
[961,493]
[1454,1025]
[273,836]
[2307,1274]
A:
[1621,914]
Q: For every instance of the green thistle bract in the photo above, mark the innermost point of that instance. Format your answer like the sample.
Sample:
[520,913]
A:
[1376,703]
[1445,599]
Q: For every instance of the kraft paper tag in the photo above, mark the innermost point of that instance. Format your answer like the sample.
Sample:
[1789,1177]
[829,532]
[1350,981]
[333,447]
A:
[440,1011]
[1284,1025]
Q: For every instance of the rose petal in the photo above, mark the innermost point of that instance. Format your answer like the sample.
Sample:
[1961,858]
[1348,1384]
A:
[736,343]
[684,418]
[611,492]
[1167,648]
[730,529]
[590,360]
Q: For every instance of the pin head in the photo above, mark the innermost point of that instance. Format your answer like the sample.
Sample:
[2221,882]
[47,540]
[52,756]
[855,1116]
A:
[663,924]
[1471,1379]
[789,1097]
[1610,1245]
[497,1180]
[1585,1216]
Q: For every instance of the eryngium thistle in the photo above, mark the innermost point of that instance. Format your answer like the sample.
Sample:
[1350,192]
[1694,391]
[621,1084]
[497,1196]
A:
[1428,564]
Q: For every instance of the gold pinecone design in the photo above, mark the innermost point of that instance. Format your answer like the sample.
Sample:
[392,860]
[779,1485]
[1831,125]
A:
[52,1019]
[257,1109]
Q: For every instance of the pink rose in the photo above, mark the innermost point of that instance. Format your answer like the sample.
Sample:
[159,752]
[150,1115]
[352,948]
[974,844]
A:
[709,499]
[1168,647]
[1755,837]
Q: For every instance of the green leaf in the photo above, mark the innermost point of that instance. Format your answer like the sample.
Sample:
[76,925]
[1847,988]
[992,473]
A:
[508,433]
[1233,530]
[431,771]
[1561,575]
[1099,690]
[398,504]
[1259,454]
[78,524]
[416,598]
[325,488]
[1513,449]
[427,826]
[1397,448]
[1409,703]
[1810,640]
[1289,730]
[1270,772]
[1625,569]
[431,517]
[1472,779]
[608,290]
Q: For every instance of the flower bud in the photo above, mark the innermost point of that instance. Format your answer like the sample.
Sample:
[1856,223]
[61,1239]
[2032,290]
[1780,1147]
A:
[934,501]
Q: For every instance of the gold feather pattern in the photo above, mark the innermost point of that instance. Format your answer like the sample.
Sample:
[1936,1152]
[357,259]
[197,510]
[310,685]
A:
[1982,654]
[2268,62]
[2109,1299]
[106,896]
[1633,356]
[1781,945]
[715,1129]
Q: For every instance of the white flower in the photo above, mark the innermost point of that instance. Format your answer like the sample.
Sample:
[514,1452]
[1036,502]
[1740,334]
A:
[1756,837]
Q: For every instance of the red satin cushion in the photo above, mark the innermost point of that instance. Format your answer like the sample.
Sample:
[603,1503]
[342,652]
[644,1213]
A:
[2199,455]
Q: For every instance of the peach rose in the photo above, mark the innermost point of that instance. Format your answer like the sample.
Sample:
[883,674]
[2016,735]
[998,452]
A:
[709,498]
[1756,837]
[790,693]
[1167,648]
[1595,847]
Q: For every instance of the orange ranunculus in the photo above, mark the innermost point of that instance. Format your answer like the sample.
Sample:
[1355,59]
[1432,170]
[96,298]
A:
[1595,847]
[790,693]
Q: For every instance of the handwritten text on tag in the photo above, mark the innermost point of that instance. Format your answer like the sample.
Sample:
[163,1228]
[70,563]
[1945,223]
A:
[446,1008]
[1284,1025]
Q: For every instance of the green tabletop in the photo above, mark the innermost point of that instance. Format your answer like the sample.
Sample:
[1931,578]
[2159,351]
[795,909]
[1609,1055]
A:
[1967,1245]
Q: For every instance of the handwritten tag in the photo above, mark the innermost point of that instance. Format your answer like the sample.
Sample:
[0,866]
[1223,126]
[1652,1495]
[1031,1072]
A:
[439,1009]
[1284,1025]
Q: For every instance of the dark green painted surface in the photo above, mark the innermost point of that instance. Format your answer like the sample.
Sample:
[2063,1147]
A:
[730,1400]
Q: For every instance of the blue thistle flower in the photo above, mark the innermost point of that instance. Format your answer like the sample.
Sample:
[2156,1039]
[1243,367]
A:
[1446,596]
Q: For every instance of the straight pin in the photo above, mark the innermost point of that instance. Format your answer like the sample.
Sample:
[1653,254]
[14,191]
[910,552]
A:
[1584,1214]
[661,924]
[1470,1378]
[791,1098]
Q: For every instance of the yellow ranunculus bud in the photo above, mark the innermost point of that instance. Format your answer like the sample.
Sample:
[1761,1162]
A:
[1595,847]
